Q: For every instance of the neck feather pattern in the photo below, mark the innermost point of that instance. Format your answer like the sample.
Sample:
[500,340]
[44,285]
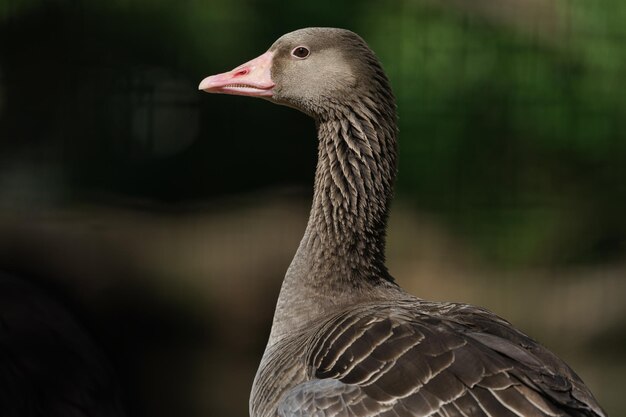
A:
[353,187]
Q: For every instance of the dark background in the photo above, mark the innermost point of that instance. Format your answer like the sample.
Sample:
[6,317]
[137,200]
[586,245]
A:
[165,218]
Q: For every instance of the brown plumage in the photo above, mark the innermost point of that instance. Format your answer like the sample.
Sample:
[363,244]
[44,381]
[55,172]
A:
[346,340]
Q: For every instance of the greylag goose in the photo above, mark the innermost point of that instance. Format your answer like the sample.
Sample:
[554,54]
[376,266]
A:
[346,340]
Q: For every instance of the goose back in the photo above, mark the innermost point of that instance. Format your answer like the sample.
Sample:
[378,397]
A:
[411,357]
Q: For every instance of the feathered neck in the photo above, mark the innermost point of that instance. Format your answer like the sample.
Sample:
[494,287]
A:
[345,236]
[341,258]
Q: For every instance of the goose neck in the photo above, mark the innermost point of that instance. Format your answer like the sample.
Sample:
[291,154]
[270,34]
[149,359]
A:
[353,187]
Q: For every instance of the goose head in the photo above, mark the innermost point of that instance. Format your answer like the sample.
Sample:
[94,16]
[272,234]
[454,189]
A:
[310,69]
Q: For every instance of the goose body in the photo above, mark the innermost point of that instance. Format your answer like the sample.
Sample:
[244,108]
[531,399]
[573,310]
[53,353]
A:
[346,340]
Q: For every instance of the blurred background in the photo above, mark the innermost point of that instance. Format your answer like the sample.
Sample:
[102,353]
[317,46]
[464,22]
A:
[164,219]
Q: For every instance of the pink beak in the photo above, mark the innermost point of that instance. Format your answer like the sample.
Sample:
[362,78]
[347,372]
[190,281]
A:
[250,79]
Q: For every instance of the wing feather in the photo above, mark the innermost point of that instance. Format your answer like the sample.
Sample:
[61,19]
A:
[395,361]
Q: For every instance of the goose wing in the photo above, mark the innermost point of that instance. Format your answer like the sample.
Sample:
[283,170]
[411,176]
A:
[464,361]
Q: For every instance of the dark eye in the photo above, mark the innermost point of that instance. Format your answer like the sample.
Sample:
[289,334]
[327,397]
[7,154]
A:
[300,52]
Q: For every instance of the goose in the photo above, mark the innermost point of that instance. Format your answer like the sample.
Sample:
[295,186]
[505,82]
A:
[346,340]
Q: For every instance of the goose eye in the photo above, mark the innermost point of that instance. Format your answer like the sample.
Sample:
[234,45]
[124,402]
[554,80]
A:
[300,52]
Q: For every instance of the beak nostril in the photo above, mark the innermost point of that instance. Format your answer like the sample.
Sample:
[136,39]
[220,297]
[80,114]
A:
[252,78]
